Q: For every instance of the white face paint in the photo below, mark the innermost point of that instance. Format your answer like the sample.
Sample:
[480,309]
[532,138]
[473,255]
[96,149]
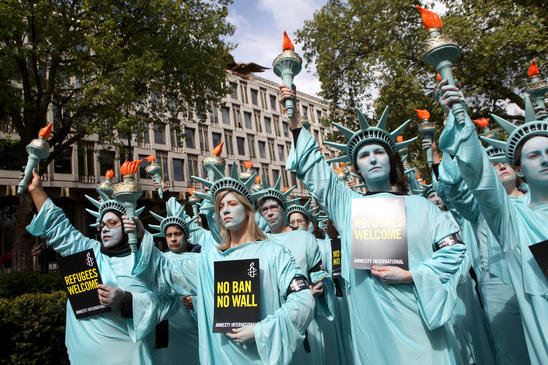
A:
[374,165]
[232,212]
[273,214]
[111,236]
[534,162]
[175,239]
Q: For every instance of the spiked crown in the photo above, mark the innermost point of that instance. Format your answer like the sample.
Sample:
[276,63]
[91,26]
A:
[107,204]
[175,215]
[231,182]
[310,214]
[517,135]
[275,193]
[367,134]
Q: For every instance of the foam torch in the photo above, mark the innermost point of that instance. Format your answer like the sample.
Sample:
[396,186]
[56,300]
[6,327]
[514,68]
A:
[441,51]
[215,160]
[537,89]
[286,65]
[38,149]
[248,173]
[128,192]
[194,200]
[426,130]
[483,123]
[154,170]
[106,186]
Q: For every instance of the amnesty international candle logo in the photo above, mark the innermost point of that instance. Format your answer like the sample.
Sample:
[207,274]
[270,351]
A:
[237,294]
[379,233]
[81,275]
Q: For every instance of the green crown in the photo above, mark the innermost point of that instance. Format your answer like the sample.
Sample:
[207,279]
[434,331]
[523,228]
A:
[107,204]
[274,192]
[517,135]
[368,134]
[175,215]
[310,214]
[231,182]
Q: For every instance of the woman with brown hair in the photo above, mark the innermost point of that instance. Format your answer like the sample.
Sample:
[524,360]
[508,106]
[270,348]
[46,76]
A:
[286,304]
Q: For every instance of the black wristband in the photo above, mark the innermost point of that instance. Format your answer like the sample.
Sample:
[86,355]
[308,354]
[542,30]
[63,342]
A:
[127,305]
[450,240]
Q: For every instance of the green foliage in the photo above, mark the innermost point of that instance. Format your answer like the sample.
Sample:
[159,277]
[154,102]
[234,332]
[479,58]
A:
[104,66]
[368,55]
[32,327]
[18,283]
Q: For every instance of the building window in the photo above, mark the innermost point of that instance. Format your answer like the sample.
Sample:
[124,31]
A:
[217,138]
[142,165]
[271,149]
[63,162]
[204,145]
[288,145]
[311,113]
[175,142]
[226,115]
[317,136]
[247,120]
[234,94]
[86,162]
[192,166]
[293,178]
[228,143]
[264,168]
[251,145]
[262,149]
[161,159]
[273,102]
[189,137]
[106,161]
[319,116]
[264,105]
[258,127]
[285,127]
[281,152]
[243,92]
[305,112]
[240,141]
[142,133]
[254,97]
[267,125]
[160,134]
[276,125]
[284,178]
[178,169]
[213,114]
[237,117]
[275,175]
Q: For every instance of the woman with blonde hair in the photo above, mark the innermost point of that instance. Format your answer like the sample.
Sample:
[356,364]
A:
[286,304]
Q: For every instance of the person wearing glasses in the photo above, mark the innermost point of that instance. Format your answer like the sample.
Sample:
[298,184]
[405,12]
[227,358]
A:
[127,333]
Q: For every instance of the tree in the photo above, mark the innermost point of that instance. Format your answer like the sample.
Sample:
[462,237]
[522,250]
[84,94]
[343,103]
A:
[105,67]
[362,48]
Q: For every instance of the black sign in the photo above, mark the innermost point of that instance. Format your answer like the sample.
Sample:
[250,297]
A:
[336,257]
[540,253]
[81,275]
[237,294]
[379,233]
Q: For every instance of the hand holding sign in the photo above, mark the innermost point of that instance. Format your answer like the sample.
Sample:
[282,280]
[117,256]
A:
[392,274]
[110,296]
[242,334]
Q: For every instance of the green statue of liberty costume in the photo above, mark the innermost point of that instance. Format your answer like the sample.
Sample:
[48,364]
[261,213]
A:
[514,224]
[391,324]
[286,308]
[113,337]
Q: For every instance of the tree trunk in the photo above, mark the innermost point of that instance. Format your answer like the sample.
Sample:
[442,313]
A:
[24,241]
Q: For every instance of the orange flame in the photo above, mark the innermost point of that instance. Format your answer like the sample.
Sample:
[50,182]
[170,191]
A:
[287,45]
[150,158]
[533,69]
[339,170]
[46,131]
[320,148]
[109,174]
[482,122]
[191,190]
[399,139]
[422,113]
[418,176]
[248,164]
[217,150]
[258,179]
[438,77]
[129,167]
[429,18]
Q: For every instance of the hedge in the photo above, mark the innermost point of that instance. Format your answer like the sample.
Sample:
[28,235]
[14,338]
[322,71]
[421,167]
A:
[32,329]
[19,283]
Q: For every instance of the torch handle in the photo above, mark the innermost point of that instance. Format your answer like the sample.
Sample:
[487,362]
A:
[444,69]
[132,236]
[429,158]
[195,209]
[158,179]
[287,78]
[32,162]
